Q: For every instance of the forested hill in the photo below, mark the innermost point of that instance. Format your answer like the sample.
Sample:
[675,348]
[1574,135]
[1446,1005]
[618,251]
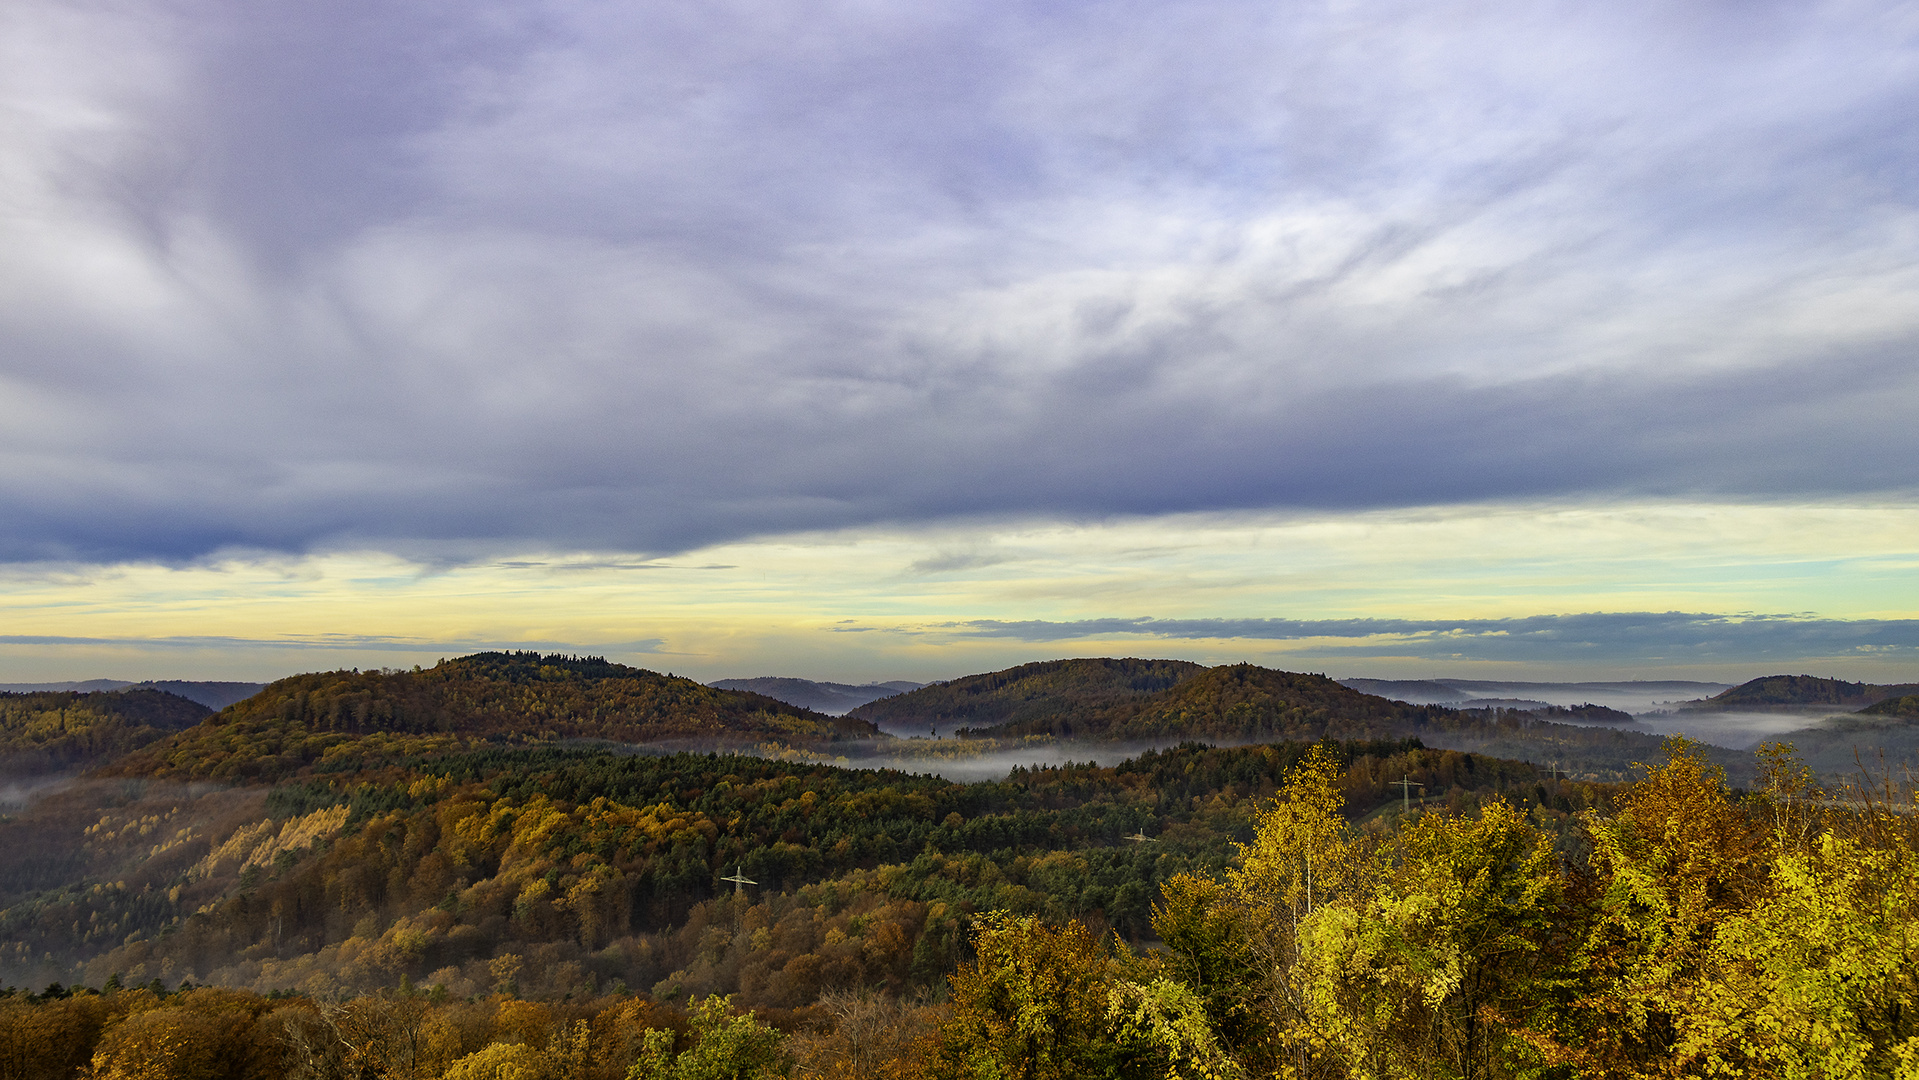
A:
[1027,697]
[55,731]
[1239,702]
[1244,703]
[1906,706]
[295,722]
[1796,692]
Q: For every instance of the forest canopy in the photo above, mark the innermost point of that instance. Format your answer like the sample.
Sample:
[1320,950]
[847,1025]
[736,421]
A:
[379,874]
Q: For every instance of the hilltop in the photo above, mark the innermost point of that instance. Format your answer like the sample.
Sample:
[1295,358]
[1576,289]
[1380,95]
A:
[1793,693]
[1238,702]
[831,698]
[1026,695]
[1162,702]
[520,696]
[214,695]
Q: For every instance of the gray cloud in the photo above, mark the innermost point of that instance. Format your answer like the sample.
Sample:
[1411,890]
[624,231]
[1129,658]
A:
[642,277]
[334,642]
[1597,636]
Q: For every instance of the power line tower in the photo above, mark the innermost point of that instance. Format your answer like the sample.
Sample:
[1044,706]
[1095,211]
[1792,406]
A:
[740,880]
[1138,838]
[1406,784]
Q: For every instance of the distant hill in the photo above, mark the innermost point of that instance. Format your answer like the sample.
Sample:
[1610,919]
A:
[1906,706]
[214,695]
[1635,695]
[1109,700]
[56,731]
[1416,691]
[1239,702]
[1026,695]
[1794,693]
[1586,714]
[517,696]
[831,698]
[86,686]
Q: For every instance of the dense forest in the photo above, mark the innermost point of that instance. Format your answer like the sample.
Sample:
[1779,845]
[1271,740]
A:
[1906,706]
[1799,692]
[1525,928]
[1236,701]
[381,875]
[524,696]
[1157,702]
[49,732]
[1022,700]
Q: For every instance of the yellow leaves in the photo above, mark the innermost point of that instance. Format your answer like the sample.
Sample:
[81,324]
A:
[1677,860]
[1301,853]
[258,844]
[504,968]
[471,829]
[1814,979]
[1168,1016]
[535,892]
[539,822]
[503,1061]
[1399,980]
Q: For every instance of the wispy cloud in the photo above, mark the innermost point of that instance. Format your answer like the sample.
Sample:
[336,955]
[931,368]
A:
[1598,637]
[484,278]
[330,643]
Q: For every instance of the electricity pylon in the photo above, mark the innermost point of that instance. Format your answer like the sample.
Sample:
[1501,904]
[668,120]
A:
[1406,786]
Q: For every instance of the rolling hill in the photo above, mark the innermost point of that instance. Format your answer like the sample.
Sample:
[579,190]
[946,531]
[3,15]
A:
[1795,693]
[1027,694]
[51,732]
[831,698]
[214,695]
[520,696]
[1237,702]
[1905,706]
[1114,701]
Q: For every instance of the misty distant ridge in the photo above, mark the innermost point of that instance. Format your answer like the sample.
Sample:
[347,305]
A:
[831,698]
[1632,695]
[214,695]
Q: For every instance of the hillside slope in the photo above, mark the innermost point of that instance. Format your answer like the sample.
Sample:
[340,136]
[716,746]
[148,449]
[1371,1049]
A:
[51,732]
[1026,695]
[521,696]
[1800,692]
[1905,706]
[1244,703]
[1236,702]
[577,868]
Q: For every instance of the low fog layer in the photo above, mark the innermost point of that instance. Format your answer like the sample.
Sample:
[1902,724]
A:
[1735,730]
[1628,696]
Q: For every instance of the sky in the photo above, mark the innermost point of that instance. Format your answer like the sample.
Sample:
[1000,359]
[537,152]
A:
[868,340]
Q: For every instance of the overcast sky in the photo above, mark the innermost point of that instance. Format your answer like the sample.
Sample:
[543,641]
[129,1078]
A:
[509,285]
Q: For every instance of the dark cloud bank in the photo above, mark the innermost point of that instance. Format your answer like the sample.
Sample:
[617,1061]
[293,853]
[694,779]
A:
[452,279]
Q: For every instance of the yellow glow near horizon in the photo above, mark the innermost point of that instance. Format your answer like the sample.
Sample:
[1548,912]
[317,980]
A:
[881,603]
